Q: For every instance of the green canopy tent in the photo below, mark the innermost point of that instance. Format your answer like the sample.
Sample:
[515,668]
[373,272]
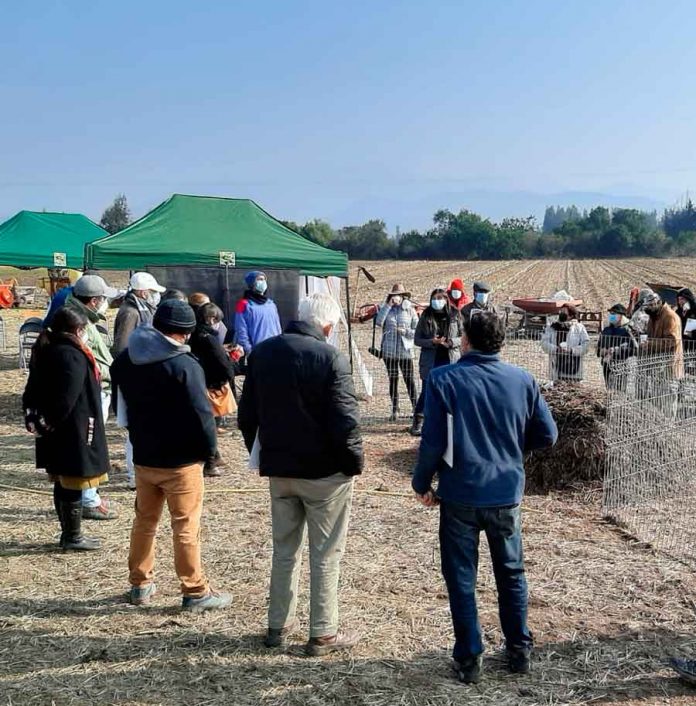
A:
[36,239]
[211,231]
[205,243]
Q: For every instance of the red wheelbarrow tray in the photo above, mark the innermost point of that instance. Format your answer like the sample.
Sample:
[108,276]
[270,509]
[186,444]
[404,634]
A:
[543,306]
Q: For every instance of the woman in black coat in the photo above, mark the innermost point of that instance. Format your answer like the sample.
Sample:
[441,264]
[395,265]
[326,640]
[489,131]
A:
[62,408]
[218,369]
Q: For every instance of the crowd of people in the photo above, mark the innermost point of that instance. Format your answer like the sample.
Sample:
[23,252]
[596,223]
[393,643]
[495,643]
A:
[298,414]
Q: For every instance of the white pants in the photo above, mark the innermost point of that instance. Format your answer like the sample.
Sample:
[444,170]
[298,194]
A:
[90,497]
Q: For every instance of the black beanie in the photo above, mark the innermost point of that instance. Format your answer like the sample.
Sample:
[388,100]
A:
[174,316]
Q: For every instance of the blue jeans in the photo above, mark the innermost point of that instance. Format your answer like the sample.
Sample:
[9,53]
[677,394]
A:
[460,527]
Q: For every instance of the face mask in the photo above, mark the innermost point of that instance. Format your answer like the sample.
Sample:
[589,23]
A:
[84,337]
[614,319]
[686,307]
[397,300]
[456,294]
[438,304]
[101,309]
[215,326]
[481,297]
[153,299]
[261,286]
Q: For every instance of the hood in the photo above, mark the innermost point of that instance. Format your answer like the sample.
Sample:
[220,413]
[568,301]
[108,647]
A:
[456,284]
[147,345]
[687,294]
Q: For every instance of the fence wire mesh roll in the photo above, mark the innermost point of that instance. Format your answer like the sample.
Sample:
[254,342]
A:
[650,480]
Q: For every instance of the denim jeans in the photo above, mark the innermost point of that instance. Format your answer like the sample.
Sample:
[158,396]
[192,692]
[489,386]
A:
[90,496]
[460,527]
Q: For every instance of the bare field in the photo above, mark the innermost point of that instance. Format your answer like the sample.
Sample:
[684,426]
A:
[606,611]
[600,283]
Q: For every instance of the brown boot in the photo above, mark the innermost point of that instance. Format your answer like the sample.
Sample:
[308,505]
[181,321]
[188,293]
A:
[321,646]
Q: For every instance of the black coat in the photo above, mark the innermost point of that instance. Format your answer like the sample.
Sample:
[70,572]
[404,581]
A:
[63,390]
[170,420]
[214,359]
[299,395]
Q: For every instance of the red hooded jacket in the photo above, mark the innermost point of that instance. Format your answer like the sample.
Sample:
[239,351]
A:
[464,300]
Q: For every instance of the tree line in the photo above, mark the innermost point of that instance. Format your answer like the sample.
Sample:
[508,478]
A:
[566,232]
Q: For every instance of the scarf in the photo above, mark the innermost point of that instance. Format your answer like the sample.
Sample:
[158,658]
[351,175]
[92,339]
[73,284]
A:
[255,296]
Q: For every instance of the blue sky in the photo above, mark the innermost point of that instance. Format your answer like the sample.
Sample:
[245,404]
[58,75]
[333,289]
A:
[322,109]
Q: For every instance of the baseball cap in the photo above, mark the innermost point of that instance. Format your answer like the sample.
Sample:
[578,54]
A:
[144,280]
[93,286]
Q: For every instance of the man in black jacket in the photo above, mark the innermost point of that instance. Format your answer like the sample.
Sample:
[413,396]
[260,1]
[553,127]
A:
[161,399]
[299,409]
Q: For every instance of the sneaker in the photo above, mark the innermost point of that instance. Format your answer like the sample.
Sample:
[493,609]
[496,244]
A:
[278,637]
[142,595]
[210,470]
[519,659]
[685,668]
[106,510]
[322,646]
[469,669]
[211,601]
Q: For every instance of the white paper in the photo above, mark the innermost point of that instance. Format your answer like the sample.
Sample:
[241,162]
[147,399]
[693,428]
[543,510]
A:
[448,456]
[690,325]
[255,455]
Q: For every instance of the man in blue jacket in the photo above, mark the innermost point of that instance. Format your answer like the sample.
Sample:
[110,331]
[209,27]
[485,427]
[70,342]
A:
[481,416]
[256,316]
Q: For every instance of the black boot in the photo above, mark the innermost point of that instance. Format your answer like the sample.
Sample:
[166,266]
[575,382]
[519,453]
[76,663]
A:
[73,539]
[417,426]
[56,506]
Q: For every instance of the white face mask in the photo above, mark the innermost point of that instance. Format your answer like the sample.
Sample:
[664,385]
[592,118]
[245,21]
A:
[456,294]
[397,301]
[438,304]
[102,308]
[84,337]
[686,307]
[482,298]
[153,299]
[215,325]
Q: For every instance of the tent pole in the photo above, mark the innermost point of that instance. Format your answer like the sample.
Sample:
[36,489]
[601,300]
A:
[350,329]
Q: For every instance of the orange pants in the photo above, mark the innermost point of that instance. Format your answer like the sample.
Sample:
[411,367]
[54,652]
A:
[182,488]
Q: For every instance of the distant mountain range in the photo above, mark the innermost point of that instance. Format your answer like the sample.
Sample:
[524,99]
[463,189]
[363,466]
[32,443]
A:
[417,213]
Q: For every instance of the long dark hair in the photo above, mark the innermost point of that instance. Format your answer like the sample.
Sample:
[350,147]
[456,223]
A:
[65,321]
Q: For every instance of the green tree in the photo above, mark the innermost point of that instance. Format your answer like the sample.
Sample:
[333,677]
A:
[117,216]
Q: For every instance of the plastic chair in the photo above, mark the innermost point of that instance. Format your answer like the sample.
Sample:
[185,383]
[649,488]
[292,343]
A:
[29,332]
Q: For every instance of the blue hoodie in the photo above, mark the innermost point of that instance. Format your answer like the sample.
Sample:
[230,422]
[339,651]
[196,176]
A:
[256,320]
[170,420]
[498,414]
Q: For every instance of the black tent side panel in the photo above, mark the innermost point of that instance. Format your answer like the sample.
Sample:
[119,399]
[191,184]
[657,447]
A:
[225,286]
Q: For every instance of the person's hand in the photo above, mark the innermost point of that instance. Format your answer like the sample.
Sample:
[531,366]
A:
[437,340]
[429,499]
[401,331]
[30,424]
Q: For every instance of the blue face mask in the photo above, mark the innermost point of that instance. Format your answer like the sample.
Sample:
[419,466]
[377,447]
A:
[438,304]
[261,286]
[614,319]
[481,298]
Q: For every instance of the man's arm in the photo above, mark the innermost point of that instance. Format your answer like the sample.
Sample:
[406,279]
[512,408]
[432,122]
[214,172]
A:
[126,322]
[433,441]
[541,431]
[240,328]
[343,420]
[194,381]
[247,417]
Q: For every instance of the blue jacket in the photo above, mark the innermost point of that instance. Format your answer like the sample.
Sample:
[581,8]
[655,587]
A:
[255,321]
[57,301]
[498,414]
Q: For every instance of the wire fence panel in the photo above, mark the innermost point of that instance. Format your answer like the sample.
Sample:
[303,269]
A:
[650,479]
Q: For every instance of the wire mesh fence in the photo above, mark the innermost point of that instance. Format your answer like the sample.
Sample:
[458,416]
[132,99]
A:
[650,480]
